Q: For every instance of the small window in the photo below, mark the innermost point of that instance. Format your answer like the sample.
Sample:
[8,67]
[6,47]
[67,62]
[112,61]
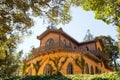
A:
[64,42]
[87,48]
[70,45]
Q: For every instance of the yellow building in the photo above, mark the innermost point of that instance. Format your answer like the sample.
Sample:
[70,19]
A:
[60,52]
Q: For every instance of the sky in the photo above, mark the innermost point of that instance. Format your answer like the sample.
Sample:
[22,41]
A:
[77,28]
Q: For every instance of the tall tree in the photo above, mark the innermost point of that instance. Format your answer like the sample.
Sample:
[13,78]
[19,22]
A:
[16,21]
[10,65]
[110,49]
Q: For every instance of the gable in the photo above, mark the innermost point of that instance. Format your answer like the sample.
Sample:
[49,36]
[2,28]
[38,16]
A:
[54,36]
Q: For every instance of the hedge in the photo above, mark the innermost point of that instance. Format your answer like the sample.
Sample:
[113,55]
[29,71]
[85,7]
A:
[59,76]
[104,76]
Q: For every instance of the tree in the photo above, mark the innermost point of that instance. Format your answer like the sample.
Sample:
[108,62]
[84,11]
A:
[10,65]
[105,10]
[16,21]
[110,49]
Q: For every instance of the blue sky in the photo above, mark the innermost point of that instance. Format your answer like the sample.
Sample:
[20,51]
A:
[77,28]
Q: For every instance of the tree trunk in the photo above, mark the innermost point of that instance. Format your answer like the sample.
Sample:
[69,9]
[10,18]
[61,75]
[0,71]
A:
[115,64]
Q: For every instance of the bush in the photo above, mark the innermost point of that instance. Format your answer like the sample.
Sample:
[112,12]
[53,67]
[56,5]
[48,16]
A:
[104,76]
[59,76]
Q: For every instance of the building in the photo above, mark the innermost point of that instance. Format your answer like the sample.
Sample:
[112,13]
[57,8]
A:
[58,51]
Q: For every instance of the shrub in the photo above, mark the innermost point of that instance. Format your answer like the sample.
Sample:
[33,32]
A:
[59,76]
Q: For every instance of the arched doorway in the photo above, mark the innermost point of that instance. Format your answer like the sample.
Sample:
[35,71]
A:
[92,70]
[70,68]
[48,69]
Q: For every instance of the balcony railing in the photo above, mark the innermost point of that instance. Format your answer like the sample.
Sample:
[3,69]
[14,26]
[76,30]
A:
[62,46]
[55,46]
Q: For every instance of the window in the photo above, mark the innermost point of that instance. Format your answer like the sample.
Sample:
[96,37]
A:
[70,45]
[47,69]
[49,42]
[87,68]
[70,68]
[64,42]
[87,48]
[75,47]
[96,69]
[92,70]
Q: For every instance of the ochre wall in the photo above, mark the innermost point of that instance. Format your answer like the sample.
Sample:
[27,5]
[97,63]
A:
[50,35]
[56,38]
[70,55]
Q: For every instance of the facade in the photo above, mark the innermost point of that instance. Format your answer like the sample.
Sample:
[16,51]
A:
[60,52]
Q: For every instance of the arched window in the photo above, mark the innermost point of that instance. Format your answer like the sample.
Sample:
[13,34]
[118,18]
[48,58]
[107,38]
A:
[49,43]
[70,68]
[87,68]
[48,69]
[92,70]
[96,70]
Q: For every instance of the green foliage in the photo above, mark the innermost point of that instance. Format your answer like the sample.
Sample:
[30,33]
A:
[10,66]
[57,73]
[104,76]
[105,10]
[16,21]
[110,50]
[59,76]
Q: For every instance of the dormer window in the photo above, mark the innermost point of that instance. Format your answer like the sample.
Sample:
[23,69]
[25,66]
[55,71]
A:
[49,42]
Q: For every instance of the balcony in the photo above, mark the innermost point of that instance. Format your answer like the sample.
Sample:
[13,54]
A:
[54,47]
